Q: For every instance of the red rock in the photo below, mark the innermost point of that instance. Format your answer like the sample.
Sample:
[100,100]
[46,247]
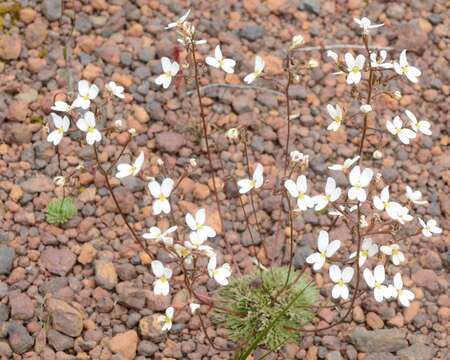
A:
[58,261]
[124,344]
[17,111]
[65,318]
[10,47]
[35,34]
[411,312]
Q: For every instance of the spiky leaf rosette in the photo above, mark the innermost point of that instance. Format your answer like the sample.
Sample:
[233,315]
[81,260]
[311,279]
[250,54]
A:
[251,306]
[61,210]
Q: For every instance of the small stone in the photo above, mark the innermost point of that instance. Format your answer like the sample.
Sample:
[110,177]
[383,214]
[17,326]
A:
[52,9]
[39,183]
[334,355]
[147,348]
[169,141]
[22,308]
[312,6]
[20,133]
[105,274]
[27,15]
[201,191]
[65,318]
[380,356]
[150,328]
[5,350]
[58,261]
[19,338]
[124,344]
[18,111]
[252,32]
[35,34]
[158,302]
[358,314]
[374,321]
[87,254]
[7,256]
[10,47]
[397,321]
[58,341]
[430,259]
[426,279]
[140,114]
[389,340]
[411,311]
[417,352]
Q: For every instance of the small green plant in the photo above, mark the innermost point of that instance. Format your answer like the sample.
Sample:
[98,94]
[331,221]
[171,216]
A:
[61,210]
[260,310]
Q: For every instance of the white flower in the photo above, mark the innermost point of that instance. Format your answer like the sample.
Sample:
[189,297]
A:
[197,225]
[298,191]
[161,195]
[396,128]
[430,227]
[61,106]
[158,235]
[397,291]
[348,163]
[365,24]
[179,22]
[403,215]
[170,69]
[161,284]
[415,196]
[194,307]
[397,94]
[297,156]
[115,89]
[259,67]
[368,249]
[394,252]
[326,250]
[245,185]
[332,193]
[166,320]
[382,203]
[377,155]
[375,281]
[365,108]
[127,169]
[403,68]
[219,62]
[86,93]
[297,41]
[220,274]
[354,67]
[87,125]
[377,60]
[183,252]
[359,180]
[61,126]
[341,278]
[331,54]
[423,126]
[336,115]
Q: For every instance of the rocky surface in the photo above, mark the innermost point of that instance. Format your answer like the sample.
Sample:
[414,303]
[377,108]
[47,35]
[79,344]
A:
[83,291]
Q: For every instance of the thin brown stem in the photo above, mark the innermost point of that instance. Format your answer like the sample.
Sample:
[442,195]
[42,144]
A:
[208,150]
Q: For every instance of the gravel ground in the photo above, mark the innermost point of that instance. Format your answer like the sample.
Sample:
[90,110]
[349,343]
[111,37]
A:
[83,291]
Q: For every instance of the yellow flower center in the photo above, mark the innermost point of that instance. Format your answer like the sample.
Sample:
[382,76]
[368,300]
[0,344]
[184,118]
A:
[341,283]
[162,197]
[86,97]
[338,119]
[395,252]
[253,182]
[323,255]
[327,197]
[301,196]
[61,130]
[364,253]
[91,130]
[355,69]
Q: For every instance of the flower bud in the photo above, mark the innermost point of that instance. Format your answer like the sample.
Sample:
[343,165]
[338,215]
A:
[366,108]
[59,180]
[296,156]
[297,41]
[312,63]
[233,134]
[377,155]
[397,94]
[193,162]
[132,132]
[118,124]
